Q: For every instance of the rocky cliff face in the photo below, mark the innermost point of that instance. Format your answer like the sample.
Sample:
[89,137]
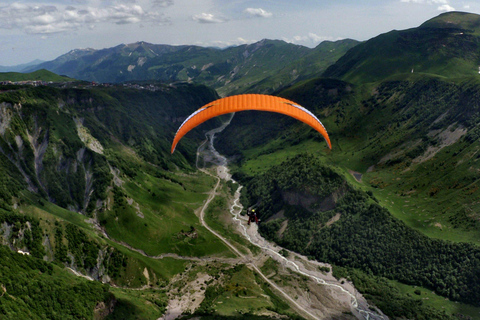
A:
[62,151]
[49,163]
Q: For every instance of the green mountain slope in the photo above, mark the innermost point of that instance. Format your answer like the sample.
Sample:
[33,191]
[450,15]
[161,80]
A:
[445,46]
[455,20]
[89,187]
[309,66]
[34,289]
[416,139]
[72,154]
[413,142]
[49,135]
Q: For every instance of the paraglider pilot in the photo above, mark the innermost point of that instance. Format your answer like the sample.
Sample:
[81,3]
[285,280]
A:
[252,216]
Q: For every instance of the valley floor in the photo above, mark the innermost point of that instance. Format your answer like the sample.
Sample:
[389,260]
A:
[314,293]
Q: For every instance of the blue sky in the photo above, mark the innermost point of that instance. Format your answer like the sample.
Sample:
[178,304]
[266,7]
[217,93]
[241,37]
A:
[47,29]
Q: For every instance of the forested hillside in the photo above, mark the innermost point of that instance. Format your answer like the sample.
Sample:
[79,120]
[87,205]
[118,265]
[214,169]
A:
[411,144]
[34,289]
[66,156]
[63,143]
[322,216]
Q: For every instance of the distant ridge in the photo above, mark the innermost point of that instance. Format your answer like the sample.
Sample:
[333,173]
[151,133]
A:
[262,67]
[39,75]
[20,67]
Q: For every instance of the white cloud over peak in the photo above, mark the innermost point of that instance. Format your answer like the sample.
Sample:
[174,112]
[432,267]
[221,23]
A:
[207,18]
[444,4]
[446,7]
[258,12]
[227,43]
[309,39]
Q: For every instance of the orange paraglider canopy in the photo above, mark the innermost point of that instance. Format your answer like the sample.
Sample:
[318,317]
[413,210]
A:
[244,102]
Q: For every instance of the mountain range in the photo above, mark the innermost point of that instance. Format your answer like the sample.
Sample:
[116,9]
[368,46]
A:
[261,67]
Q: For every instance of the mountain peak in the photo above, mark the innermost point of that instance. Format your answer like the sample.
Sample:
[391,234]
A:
[469,22]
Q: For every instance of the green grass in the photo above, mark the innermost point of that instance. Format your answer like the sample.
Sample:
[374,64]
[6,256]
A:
[138,304]
[43,209]
[242,294]
[167,209]
[262,158]
[437,302]
[424,215]
[430,200]
[164,268]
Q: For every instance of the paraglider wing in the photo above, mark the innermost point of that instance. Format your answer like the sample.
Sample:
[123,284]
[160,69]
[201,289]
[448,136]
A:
[244,102]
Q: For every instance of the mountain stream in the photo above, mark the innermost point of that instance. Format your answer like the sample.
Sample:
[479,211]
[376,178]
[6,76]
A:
[343,292]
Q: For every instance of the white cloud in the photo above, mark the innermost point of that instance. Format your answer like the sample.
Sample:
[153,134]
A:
[426,1]
[309,39]
[163,3]
[446,7]
[207,18]
[224,44]
[444,4]
[44,19]
[258,12]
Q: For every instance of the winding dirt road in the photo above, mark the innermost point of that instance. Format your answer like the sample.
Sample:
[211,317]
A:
[246,260]
[344,291]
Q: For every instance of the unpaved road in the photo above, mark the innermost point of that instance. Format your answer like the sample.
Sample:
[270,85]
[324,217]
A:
[344,294]
[299,264]
[249,262]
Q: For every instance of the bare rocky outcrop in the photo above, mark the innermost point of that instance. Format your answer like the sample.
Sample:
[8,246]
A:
[296,198]
[311,202]
[39,146]
[445,138]
[84,134]
[5,117]
[104,308]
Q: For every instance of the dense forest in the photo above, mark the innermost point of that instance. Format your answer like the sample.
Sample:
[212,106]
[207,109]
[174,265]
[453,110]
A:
[365,236]
[31,288]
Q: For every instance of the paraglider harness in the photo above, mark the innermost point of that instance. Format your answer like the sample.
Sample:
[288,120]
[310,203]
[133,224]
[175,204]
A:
[252,216]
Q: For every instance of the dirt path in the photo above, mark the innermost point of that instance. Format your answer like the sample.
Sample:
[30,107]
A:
[248,260]
[344,294]
[299,264]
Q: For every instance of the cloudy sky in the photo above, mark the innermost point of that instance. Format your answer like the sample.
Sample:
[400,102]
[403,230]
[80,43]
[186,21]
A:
[46,29]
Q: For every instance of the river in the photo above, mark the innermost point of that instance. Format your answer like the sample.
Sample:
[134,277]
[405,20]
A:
[343,291]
